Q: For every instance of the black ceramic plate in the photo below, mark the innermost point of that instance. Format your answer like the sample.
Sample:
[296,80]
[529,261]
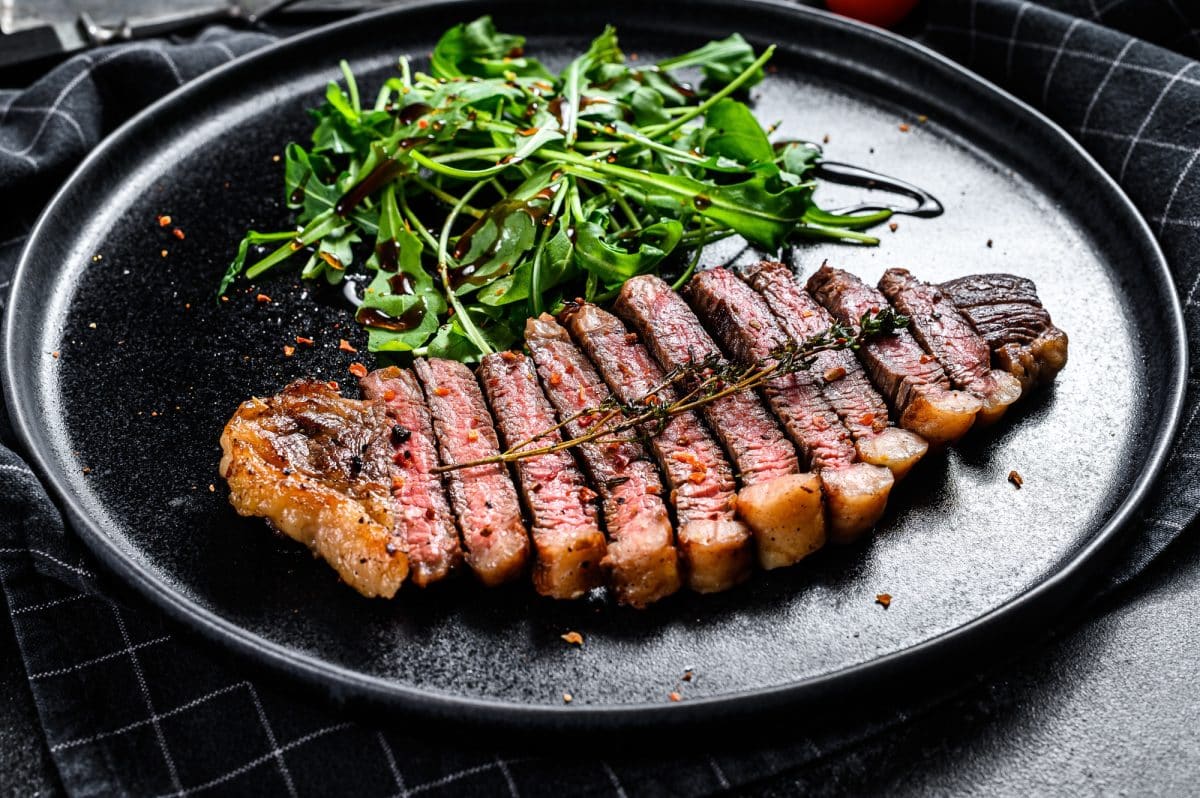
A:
[123,424]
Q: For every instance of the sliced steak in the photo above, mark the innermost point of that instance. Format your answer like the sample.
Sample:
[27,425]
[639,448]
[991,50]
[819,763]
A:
[426,526]
[947,335]
[316,465]
[855,492]
[1006,311]
[715,546]
[641,549]
[484,500]
[781,505]
[844,383]
[562,512]
[913,381]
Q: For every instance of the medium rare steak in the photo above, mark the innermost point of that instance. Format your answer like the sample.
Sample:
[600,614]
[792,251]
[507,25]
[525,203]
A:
[1006,311]
[316,465]
[913,381]
[855,492]
[781,505]
[947,335]
[716,547]
[641,552]
[424,521]
[843,381]
[483,498]
[562,511]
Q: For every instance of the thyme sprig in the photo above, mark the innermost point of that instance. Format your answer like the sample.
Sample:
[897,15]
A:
[700,382]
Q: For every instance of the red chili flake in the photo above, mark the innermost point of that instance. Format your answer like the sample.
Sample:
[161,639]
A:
[529,131]
[397,483]
[54,354]
[472,435]
[574,638]
[926,358]
[164,220]
[903,128]
[300,339]
[288,351]
[441,390]
[893,226]
[178,234]
[1015,479]
[358,370]
[675,696]
[421,123]
[884,600]
[263,299]
[556,379]
[389,395]
[345,346]
[333,386]
[867,419]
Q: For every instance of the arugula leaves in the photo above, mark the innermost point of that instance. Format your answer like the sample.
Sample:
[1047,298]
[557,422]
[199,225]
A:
[488,189]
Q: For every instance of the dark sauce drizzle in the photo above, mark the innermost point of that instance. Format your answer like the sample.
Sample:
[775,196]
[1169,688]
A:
[927,206]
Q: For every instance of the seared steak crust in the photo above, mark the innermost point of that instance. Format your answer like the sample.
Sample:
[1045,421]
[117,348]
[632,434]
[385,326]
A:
[715,546]
[947,335]
[674,335]
[424,521]
[914,382]
[641,551]
[562,511]
[484,500]
[316,465]
[844,383]
[1006,311]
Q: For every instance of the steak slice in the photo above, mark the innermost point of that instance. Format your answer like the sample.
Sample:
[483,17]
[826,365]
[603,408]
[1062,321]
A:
[947,335]
[781,505]
[1006,311]
[844,383]
[855,492]
[641,550]
[316,465]
[914,382]
[484,500]
[715,545]
[426,526]
[562,513]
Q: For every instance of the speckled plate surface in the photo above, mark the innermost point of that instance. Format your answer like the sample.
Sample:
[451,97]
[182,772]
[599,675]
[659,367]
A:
[149,369]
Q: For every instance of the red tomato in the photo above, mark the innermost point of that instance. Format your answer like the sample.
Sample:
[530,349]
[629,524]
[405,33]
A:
[884,13]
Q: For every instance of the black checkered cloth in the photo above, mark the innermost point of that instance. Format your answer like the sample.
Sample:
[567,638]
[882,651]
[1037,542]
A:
[131,704]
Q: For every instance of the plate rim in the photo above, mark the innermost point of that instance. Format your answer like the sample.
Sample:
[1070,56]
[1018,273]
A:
[349,684]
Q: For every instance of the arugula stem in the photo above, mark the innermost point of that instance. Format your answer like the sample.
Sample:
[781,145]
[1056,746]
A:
[661,130]
[460,311]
